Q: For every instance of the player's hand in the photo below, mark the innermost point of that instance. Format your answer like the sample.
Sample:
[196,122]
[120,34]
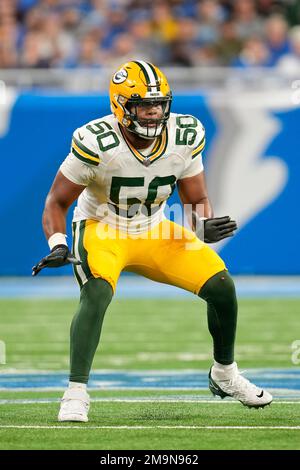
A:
[59,256]
[218,228]
[215,229]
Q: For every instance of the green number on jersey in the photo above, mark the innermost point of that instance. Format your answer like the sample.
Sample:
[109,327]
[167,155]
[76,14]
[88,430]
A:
[134,204]
[102,130]
[188,135]
[155,183]
[152,192]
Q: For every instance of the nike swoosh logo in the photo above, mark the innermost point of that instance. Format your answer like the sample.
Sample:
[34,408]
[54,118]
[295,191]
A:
[261,394]
[81,138]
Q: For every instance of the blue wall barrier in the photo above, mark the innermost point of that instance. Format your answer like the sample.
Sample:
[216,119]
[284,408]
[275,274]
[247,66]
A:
[252,164]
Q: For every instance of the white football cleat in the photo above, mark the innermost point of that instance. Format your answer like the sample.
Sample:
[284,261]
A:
[74,406]
[238,387]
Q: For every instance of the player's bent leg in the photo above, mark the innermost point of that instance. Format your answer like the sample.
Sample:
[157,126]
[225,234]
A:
[219,293]
[86,327]
[224,377]
[95,296]
[182,260]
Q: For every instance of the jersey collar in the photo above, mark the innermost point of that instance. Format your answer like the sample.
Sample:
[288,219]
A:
[157,152]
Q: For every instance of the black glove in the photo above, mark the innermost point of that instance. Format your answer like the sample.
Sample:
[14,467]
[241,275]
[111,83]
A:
[59,256]
[214,229]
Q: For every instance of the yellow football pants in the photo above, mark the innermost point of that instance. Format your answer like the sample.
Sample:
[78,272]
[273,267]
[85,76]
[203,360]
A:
[168,253]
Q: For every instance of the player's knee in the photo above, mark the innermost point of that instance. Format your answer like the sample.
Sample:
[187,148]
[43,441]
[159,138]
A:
[219,289]
[96,293]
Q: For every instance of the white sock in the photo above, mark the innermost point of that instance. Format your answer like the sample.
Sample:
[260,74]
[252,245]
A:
[77,385]
[222,371]
[224,367]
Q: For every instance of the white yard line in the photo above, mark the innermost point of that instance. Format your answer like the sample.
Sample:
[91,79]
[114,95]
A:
[87,427]
[30,401]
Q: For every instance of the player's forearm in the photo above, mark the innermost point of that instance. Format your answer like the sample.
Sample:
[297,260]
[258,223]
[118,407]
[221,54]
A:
[194,197]
[203,208]
[54,218]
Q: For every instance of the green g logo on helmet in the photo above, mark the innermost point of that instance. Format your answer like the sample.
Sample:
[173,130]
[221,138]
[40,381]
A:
[120,76]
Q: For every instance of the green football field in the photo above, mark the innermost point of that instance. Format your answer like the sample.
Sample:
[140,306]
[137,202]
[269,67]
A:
[140,336]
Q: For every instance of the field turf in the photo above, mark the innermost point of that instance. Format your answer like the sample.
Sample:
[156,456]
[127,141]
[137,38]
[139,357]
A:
[157,335]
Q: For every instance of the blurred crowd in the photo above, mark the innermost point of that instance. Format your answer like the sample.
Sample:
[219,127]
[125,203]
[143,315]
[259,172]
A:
[100,33]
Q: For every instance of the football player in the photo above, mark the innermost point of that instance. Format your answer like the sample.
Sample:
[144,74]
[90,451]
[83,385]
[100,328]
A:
[122,168]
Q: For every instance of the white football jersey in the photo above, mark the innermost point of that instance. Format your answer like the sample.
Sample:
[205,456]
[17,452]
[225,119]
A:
[125,187]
